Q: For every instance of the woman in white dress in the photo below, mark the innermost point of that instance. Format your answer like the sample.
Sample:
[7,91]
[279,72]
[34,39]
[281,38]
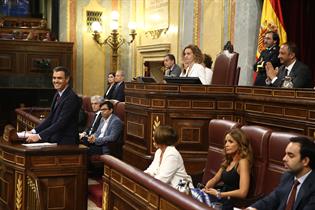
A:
[192,58]
[167,165]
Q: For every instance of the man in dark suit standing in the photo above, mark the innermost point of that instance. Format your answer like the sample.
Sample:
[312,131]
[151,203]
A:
[61,125]
[119,91]
[172,69]
[296,190]
[96,102]
[292,74]
[270,54]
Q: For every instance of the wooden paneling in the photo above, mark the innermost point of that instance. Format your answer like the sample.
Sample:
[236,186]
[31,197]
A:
[60,171]
[20,58]
[189,109]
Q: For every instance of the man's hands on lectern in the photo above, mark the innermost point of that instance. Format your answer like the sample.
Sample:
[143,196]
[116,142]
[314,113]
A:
[33,138]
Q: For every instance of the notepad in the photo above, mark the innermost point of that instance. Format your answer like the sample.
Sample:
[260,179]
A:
[45,144]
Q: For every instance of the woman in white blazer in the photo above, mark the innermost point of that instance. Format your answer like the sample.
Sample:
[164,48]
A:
[193,57]
[168,165]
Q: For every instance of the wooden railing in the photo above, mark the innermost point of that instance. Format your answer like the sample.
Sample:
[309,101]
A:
[125,187]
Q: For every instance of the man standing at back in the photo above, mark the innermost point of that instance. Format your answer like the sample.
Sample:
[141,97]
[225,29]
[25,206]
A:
[270,54]
[61,125]
[119,91]
[296,190]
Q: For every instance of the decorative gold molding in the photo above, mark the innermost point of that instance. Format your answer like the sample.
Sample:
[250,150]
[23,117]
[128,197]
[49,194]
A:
[156,123]
[105,196]
[155,34]
[19,192]
[196,17]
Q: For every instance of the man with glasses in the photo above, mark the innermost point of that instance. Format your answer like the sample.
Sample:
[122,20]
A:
[108,134]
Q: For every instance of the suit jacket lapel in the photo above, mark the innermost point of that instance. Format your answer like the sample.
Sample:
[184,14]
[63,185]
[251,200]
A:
[304,189]
[293,70]
[99,129]
[97,123]
[286,191]
[61,99]
[108,126]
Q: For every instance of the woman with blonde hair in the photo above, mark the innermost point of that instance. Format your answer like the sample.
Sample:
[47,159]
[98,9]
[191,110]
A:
[234,173]
[192,58]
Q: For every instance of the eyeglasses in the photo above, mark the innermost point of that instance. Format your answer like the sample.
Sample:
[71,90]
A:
[104,109]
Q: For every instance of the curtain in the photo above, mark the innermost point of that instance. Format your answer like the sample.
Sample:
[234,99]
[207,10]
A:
[299,19]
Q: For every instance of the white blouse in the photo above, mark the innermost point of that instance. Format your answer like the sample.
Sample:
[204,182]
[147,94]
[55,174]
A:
[196,70]
[171,169]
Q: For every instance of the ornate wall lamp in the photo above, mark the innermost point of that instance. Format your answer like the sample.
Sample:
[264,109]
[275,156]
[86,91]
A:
[114,40]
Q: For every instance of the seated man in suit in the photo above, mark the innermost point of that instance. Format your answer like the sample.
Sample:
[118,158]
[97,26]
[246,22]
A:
[109,131]
[296,190]
[61,125]
[96,102]
[119,91]
[292,74]
[269,54]
[171,68]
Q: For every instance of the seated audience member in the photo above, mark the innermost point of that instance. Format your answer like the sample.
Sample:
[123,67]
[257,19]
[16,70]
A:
[167,165]
[172,69]
[49,37]
[207,61]
[292,74]
[96,102]
[269,54]
[296,190]
[119,90]
[110,86]
[192,58]
[233,178]
[31,36]
[108,132]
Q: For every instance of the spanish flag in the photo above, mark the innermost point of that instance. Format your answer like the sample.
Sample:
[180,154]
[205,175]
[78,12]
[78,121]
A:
[271,20]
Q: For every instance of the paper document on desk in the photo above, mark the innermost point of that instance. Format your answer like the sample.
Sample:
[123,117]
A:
[45,144]
[23,134]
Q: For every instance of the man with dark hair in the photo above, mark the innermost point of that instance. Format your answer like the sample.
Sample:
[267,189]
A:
[109,131]
[296,190]
[61,125]
[270,54]
[172,69]
[292,74]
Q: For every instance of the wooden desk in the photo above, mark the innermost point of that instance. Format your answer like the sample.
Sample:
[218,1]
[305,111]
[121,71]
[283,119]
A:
[189,108]
[59,173]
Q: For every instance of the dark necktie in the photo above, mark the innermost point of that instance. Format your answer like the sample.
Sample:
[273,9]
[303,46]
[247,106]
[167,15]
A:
[286,72]
[291,199]
[57,100]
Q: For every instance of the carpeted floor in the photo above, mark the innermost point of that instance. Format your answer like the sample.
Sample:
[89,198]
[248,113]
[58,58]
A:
[92,206]
[95,191]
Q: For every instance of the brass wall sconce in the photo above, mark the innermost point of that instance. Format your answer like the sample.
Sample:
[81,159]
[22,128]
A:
[114,40]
